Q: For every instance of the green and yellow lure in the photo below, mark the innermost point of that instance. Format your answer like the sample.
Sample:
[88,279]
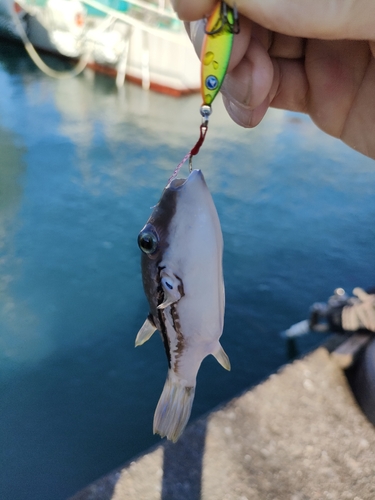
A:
[216,50]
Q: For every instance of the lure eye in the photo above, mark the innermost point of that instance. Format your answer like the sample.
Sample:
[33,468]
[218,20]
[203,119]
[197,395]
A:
[211,82]
[148,240]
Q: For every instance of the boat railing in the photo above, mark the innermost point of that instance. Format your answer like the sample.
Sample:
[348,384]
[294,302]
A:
[173,35]
[161,21]
[160,9]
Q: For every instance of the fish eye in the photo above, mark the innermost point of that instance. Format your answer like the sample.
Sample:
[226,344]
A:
[148,240]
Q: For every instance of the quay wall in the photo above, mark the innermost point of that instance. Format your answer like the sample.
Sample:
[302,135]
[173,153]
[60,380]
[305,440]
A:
[300,435]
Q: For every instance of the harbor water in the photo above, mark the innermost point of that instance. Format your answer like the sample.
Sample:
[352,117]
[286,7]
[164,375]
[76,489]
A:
[81,165]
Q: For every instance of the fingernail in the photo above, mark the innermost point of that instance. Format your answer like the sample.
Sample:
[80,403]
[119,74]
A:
[236,91]
[239,115]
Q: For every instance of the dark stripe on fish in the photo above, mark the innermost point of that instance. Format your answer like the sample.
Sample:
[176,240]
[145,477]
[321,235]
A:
[164,336]
[180,338]
[175,322]
[161,317]
[160,219]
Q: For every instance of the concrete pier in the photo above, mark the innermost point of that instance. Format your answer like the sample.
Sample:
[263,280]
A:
[300,435]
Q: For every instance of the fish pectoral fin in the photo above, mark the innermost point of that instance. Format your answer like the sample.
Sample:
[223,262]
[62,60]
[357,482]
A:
[222,358]
[171,289]
[146,331]
[168,302]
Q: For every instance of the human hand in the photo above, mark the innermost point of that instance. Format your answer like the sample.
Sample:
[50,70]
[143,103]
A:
[311,56]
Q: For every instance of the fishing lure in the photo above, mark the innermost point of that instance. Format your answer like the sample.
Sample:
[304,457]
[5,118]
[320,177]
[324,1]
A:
[216,50]
[220,29]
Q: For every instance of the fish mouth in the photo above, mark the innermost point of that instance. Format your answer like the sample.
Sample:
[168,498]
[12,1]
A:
[196,176]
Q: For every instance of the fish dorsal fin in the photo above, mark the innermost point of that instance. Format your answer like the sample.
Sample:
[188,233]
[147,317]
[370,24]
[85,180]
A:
[222,357]
[146,331]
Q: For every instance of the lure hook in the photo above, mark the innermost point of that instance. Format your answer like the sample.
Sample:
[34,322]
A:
[190,163]
[224,22]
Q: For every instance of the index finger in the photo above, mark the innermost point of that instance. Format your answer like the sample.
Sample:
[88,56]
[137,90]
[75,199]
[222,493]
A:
[323,19]
[191,10]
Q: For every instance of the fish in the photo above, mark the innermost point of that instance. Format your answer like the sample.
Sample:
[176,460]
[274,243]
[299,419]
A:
[182,274]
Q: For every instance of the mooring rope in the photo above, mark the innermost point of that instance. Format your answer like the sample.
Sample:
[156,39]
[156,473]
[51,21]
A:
[82,63]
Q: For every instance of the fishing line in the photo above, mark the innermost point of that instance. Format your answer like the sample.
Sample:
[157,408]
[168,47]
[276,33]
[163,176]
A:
[194,151]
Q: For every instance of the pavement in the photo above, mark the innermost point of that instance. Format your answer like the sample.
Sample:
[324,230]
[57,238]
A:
[300,435]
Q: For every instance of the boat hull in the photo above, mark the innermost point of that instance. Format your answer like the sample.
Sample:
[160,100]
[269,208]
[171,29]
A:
[166,64]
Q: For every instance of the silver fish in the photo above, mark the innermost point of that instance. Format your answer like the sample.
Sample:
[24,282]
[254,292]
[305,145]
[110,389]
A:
[182,247]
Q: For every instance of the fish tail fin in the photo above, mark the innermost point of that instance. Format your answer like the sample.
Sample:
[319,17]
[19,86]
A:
[174,407]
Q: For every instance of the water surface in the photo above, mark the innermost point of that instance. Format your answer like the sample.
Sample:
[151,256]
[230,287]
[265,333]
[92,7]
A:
[81,165]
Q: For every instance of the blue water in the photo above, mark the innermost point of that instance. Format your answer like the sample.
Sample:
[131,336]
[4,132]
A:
[80,167]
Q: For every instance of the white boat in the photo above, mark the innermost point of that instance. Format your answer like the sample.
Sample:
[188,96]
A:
[139,40]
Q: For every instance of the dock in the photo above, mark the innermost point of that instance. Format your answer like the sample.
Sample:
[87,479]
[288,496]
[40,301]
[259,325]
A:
[299,435]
